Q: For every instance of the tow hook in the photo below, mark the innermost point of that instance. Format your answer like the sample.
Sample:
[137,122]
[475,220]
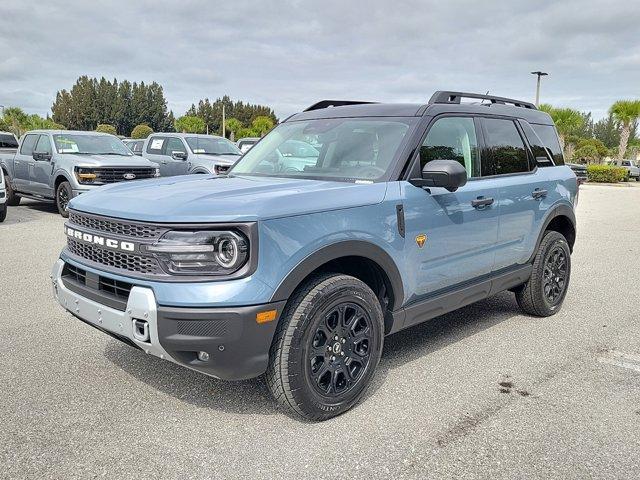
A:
[141,330]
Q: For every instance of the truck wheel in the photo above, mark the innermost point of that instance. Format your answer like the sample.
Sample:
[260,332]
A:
[63,196]
[544,293]
[3,212]
[327,347]
[13,200]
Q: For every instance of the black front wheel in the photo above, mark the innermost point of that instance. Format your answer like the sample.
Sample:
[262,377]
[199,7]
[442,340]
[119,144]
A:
[327,347]
[545,291]
[3,212]
[13,200]
[63,197]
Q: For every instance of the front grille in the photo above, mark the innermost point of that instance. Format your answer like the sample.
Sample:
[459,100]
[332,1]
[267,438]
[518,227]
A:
[126,229]
[77,274]
[114,259]
[115,287]
[222,169]
[114,175]
[107,291]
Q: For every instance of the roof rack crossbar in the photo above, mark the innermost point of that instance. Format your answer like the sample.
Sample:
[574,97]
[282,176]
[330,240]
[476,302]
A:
[455,97]
[333,103]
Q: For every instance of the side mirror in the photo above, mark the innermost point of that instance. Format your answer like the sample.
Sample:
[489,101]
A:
[179,155]
[41,156]
[447,174]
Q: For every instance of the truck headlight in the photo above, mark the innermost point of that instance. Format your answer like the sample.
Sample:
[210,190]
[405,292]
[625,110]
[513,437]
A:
[85,175]
[201,252]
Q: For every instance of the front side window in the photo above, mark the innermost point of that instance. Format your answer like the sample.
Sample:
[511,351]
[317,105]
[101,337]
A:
[89,145]
[174,145]
[342,149]
[452,138]
[43,145]
[212,146]
[28,144]
[506,150]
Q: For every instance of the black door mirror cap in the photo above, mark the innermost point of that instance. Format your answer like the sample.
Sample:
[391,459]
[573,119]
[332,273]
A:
[447,174]
[41,156]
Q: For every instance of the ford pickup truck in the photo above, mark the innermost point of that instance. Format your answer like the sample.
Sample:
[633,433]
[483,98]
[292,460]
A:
[59,165]
[299,261]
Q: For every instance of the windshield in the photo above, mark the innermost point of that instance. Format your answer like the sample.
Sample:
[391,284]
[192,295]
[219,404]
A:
[90,144]
[212,146]
[345,149]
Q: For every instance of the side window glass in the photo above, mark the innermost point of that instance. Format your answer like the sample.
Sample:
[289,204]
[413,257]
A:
[542,155]
[548,135]
[28,144]
[155,145]
[506,150]
[43,145]
[452,138]
[174,145]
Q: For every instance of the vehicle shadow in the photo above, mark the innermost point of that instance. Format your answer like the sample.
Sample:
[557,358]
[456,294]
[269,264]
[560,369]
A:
[48,207]
[252,396]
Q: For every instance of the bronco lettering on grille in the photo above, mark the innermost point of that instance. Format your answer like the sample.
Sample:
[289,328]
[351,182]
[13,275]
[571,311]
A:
[101,241]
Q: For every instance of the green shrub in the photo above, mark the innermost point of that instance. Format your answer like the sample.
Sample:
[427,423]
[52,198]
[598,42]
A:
[607,174]
[106,128]
[141,131]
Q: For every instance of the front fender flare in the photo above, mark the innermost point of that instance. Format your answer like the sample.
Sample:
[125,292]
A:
[347,248]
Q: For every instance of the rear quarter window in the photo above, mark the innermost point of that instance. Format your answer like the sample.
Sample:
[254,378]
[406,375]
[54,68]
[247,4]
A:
[549,136]
[28,144]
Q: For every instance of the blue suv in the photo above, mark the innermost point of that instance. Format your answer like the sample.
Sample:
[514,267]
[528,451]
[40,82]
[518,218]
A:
[348,222]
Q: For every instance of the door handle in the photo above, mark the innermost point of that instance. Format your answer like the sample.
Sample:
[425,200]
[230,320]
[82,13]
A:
[481,202]
[539,193]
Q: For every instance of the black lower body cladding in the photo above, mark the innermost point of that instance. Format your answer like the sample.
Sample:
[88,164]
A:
[237,345]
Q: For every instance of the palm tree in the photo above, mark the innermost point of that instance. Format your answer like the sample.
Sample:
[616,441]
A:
[567,120]
[625,112]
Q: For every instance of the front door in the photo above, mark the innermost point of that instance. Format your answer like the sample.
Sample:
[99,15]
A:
[160,150]
[23,162]
[42,169]
[450,236]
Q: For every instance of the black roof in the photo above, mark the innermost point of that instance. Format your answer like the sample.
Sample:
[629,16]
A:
[440,102]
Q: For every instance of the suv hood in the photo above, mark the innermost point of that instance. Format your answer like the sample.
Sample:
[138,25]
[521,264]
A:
[199,198]
[111,161]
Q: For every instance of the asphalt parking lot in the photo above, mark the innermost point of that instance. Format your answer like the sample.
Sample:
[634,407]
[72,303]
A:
[484,392]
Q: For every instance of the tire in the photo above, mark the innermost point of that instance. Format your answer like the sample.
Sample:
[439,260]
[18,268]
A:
[544,293]
[63,196]
[312,374]
[3,212]
[13,200]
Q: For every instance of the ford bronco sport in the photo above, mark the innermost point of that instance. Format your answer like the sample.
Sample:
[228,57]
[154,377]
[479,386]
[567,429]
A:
[299,266]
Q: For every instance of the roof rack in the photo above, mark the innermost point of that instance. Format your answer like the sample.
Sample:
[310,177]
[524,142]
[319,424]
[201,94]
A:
[455,97]
[333,103]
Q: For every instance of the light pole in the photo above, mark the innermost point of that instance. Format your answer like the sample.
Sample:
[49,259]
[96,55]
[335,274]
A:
[539,74]
[2,107]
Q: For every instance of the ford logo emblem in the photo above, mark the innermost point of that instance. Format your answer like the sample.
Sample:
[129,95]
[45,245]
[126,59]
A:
[129,176]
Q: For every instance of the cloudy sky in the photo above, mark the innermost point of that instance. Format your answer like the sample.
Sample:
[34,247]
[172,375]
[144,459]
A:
[289,54]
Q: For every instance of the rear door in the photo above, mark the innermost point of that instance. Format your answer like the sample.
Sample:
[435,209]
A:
[524,190]
[450,236]
[23,163]
[42,169]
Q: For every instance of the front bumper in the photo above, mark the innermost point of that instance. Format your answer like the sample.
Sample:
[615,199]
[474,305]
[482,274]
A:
[237,345]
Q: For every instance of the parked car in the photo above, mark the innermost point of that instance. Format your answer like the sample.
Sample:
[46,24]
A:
[3,198]
[634,170]
[59,165]
[189,153]
[408,212]
[245,144]
[135,145]
[580,170]
[8,142]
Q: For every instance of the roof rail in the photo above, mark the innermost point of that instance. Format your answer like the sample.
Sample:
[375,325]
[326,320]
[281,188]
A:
[333,103]
[455,97]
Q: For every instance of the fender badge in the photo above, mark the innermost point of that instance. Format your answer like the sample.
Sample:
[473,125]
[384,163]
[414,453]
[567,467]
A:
[420,239]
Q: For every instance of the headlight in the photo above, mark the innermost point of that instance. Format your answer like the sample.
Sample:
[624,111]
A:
[157,173]
[201,252]
[85,175]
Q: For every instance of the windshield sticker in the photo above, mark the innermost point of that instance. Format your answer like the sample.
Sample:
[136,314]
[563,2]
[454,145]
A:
[69,148]
[156,143]
[199,150]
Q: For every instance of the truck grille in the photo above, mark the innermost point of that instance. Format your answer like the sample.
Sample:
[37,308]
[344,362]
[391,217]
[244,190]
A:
[108,291]
[135,230]
[114,259]
[114,175]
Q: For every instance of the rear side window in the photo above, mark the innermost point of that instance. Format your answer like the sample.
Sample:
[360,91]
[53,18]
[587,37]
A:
[156,145]
[541,154]
[452,138]
[506,150]
[8,141]
[549,136]
[28,144]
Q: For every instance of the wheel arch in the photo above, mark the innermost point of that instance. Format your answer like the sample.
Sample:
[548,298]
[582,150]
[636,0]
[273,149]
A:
[59,177]
[363,260]
[561,219]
